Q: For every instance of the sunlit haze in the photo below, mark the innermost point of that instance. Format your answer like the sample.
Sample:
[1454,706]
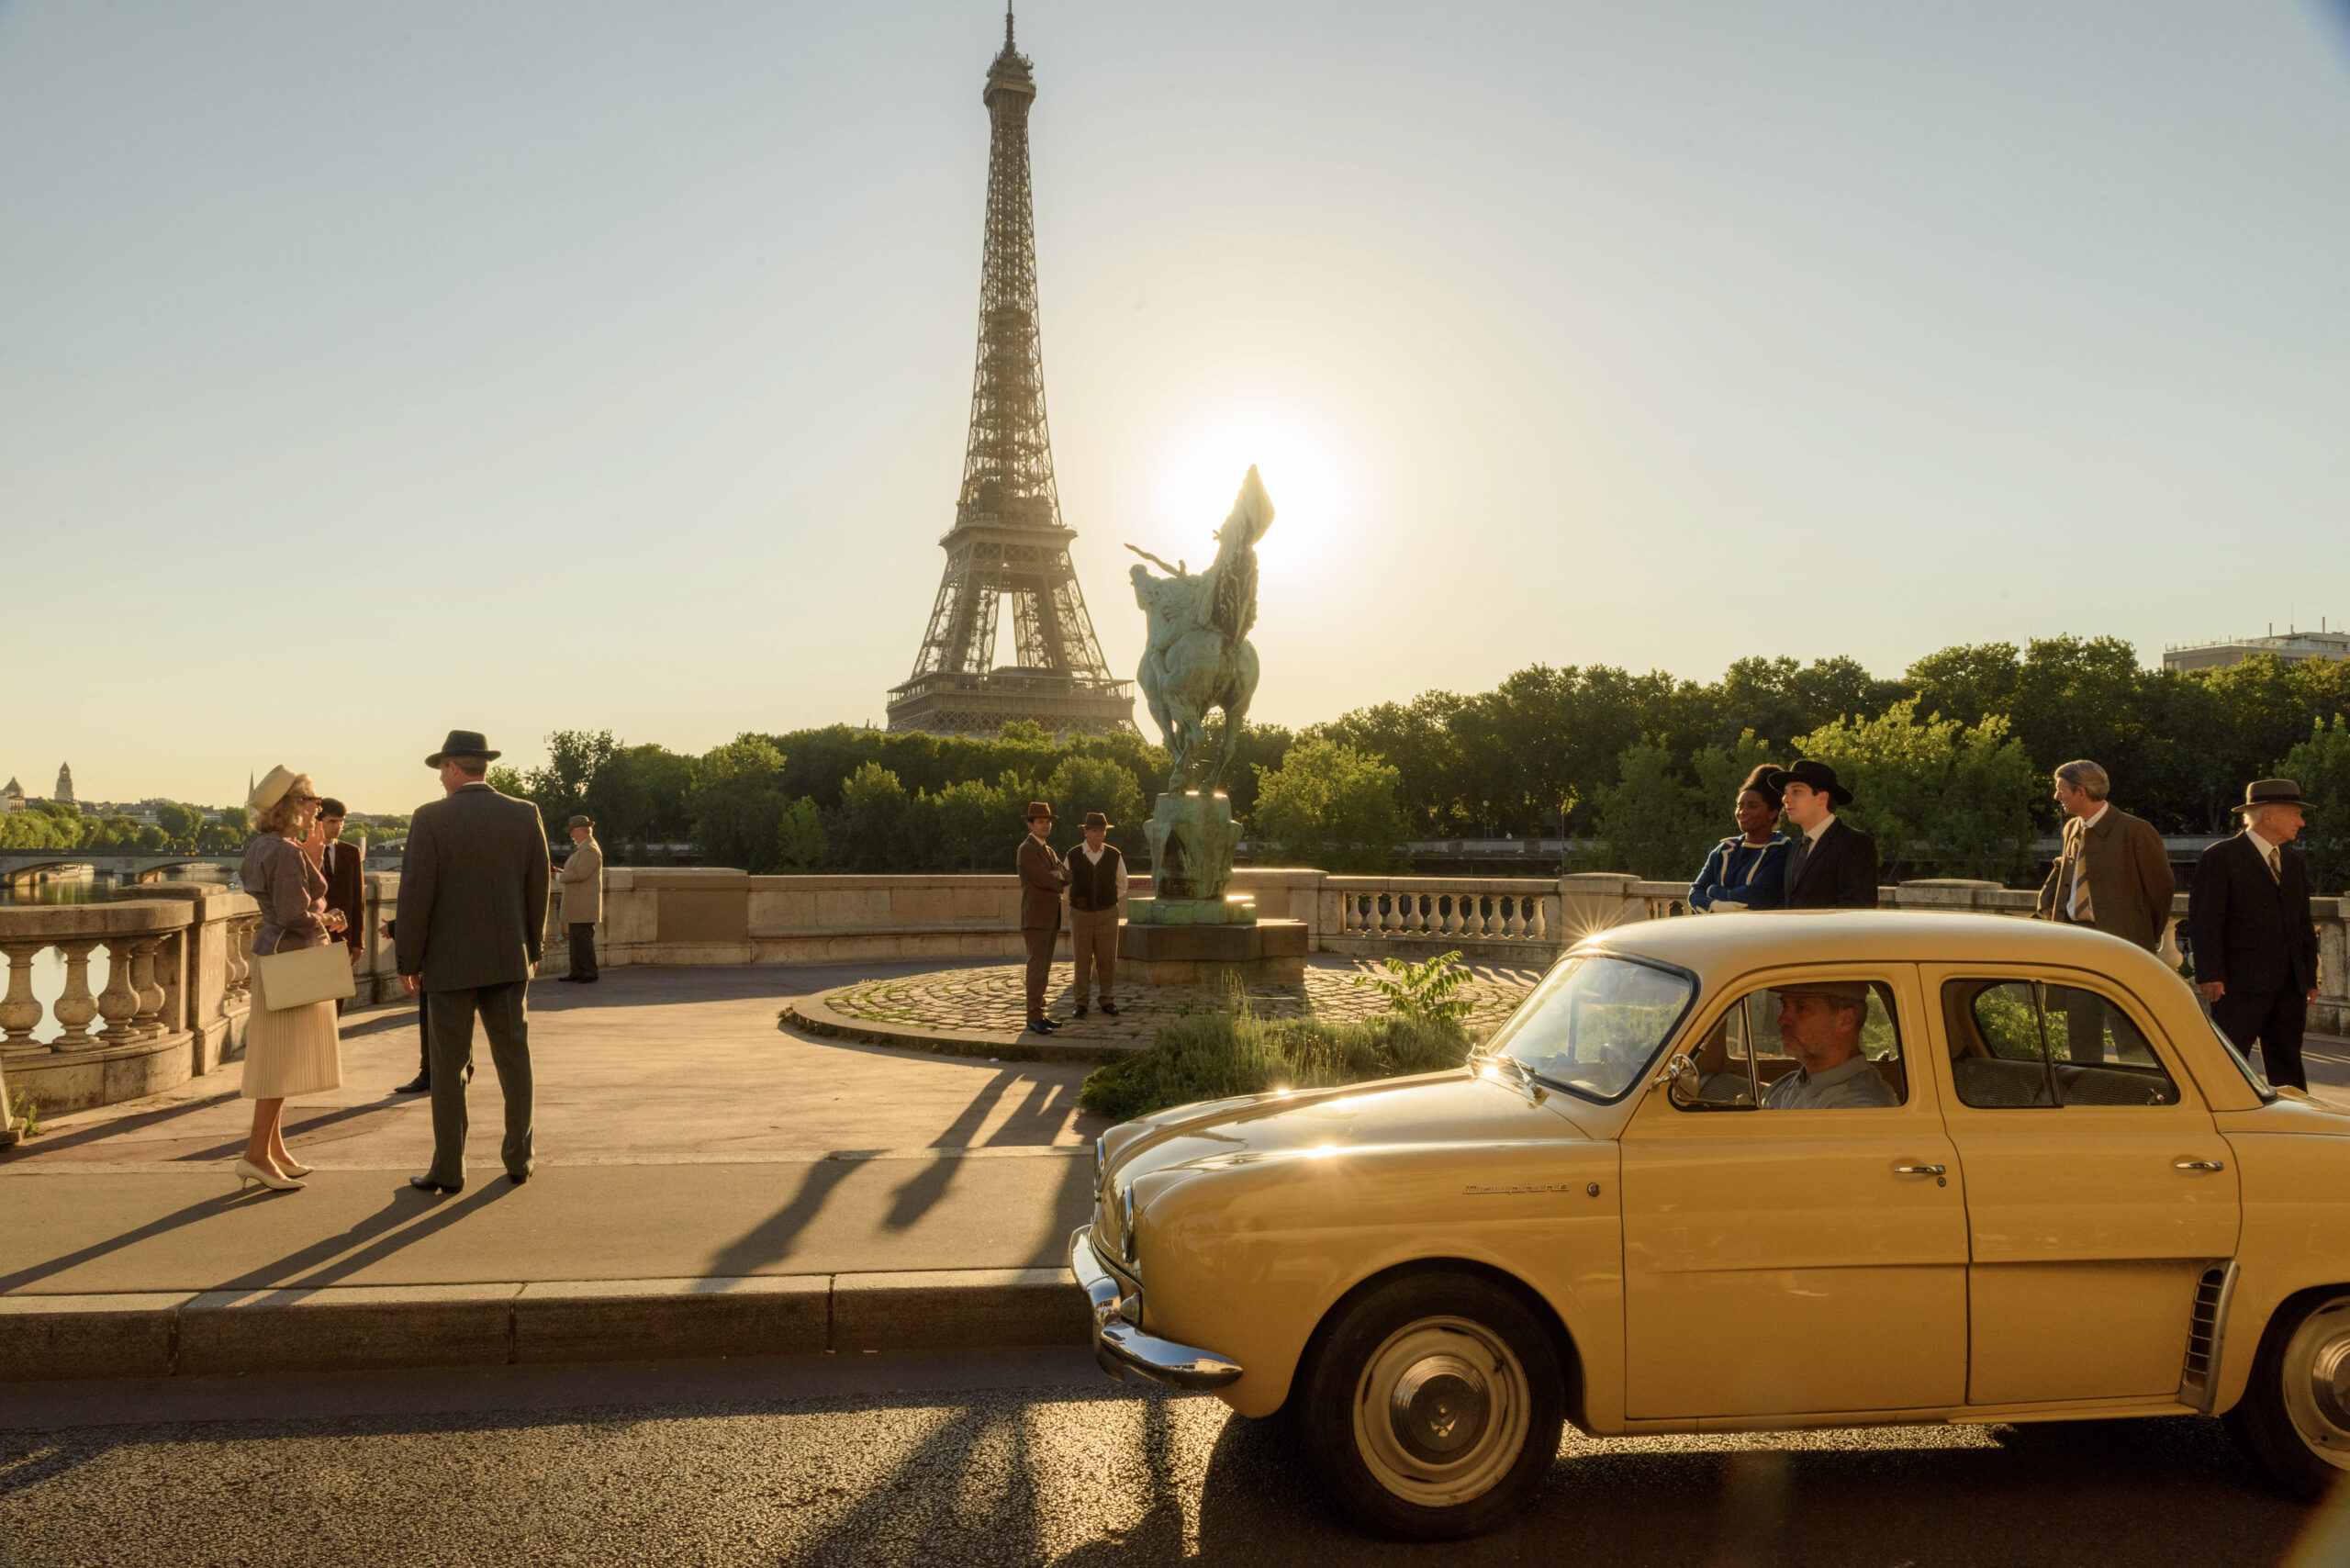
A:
[369,371]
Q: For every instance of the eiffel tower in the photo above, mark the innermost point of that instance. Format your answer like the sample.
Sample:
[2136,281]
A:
[1008,541]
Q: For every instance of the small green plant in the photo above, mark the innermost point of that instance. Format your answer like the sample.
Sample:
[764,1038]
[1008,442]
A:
[1427,990]
[1213,1055]
[29,1114]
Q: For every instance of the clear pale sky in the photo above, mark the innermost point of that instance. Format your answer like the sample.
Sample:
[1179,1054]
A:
[366,371]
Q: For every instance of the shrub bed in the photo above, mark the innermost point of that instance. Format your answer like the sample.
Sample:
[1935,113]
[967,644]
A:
[1213,1055]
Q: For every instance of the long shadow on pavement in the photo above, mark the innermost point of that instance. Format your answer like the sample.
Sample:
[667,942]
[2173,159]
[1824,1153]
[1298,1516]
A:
[406,1219]
[770,1241]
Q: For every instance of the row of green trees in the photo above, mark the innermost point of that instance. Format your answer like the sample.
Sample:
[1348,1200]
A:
[61,824]
[1950,764]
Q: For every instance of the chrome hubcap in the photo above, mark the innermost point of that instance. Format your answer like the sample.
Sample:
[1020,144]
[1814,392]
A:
[1438,1407]
[2317,1381]
[1441,1411]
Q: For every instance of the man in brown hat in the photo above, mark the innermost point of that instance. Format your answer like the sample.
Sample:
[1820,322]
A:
[2248,922]
[1097,884]
[1042,878]
[1832,865]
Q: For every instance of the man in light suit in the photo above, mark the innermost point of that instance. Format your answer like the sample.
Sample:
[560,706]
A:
[2256,943]
[473,912]
[2113,875]
[582,879]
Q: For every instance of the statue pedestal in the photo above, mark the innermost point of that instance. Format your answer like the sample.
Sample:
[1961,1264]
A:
[1261,952]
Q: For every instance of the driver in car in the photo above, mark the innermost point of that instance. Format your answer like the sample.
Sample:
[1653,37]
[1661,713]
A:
[1819,1025]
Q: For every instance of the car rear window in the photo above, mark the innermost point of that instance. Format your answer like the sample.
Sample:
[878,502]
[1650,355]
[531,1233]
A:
[1597,1022]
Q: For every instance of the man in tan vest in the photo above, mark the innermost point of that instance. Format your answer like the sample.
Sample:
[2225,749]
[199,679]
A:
[2113,874]
[582,879]
[1042,878]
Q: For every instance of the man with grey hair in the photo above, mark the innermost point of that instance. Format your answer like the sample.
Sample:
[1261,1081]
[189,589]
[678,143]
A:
[2256,943]
[2113,875]
[1819,1023]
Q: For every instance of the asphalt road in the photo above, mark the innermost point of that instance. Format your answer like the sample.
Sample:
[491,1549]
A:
[1021,1458]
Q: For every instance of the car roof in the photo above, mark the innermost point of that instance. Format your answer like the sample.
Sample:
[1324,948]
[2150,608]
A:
[1724,946]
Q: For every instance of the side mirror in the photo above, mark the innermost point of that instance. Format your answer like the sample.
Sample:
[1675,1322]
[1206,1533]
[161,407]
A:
[1670,1078]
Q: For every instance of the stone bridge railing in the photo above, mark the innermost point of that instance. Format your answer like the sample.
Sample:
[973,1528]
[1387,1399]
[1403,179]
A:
[172,1002]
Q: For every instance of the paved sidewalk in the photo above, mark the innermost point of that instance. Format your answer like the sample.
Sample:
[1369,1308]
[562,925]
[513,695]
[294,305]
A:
[681,1132]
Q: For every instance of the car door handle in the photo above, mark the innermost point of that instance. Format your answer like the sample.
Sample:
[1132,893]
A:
[2199,1165]
[1918,1170]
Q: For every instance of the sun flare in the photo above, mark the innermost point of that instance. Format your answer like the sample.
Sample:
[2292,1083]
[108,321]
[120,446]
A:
[1302,464]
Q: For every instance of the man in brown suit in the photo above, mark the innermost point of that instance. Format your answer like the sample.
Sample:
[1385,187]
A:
[2113,874]
[1042,878]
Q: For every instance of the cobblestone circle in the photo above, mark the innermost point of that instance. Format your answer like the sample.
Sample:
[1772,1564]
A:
[991,1000]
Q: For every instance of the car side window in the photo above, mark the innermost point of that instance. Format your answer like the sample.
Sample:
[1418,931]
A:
[2023,1043]
[1744,1058]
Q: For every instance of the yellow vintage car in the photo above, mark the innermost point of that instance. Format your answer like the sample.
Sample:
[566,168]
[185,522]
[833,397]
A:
[1803,1169]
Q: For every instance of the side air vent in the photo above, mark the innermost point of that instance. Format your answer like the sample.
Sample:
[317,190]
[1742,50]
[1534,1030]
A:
[2207,1336]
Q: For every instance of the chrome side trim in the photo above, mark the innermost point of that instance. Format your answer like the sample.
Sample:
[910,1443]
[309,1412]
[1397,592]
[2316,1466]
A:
[2198,1382]
[1121,1347]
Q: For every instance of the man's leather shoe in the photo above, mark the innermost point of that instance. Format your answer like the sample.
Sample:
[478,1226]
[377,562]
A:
[1041,1025]
[565,979]
[427,1184]
[1110,1007]
[417,1085]
[518,1177]
[587,979]
[1078,1012]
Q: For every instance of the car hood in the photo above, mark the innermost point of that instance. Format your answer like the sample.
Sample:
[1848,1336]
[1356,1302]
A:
[1463,1105]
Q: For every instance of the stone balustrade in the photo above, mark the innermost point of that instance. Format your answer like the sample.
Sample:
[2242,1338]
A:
[173,1003]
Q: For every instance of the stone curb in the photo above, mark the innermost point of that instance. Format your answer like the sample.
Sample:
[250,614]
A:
[355,1328]
[815,1014]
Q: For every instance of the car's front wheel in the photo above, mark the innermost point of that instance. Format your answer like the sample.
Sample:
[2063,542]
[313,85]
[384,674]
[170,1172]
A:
[1433,1405]
[2295,1415]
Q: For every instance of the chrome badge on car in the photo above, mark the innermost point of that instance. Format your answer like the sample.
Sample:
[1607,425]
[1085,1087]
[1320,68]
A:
[1475,1191]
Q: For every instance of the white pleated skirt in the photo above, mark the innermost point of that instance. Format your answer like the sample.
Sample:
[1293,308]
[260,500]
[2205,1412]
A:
[295,1050]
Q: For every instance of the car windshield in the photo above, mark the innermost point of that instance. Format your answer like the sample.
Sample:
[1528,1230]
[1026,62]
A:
[1595,1023]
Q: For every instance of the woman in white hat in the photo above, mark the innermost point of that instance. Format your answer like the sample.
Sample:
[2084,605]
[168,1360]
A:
[290,1050]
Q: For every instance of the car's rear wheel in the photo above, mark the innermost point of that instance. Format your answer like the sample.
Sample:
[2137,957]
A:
[1433,1405]
[2295,1415]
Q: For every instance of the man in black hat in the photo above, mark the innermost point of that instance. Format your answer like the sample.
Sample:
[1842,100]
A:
[1097,880]
[2255,943]
[1831,863]
[473,912]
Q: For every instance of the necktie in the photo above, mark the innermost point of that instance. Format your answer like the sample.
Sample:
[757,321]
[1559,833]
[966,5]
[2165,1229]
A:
[2275,871]
[2081,911]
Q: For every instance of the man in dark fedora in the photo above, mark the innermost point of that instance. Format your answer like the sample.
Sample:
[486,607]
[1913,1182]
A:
[2255,943]
[473,912]
[583,898]
[1832,865]
[1042,878]
[1097,883]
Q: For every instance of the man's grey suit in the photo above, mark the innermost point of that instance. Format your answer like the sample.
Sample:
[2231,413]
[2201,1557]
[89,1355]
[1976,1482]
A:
[473,912]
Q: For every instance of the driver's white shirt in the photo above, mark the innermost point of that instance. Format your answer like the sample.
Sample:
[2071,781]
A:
[1849,1085]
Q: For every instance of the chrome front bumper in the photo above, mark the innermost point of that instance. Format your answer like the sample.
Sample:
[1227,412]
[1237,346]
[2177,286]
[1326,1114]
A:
[1119,1343]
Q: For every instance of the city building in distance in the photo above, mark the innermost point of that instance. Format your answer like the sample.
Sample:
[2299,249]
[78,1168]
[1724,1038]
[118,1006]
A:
[1008,541]
[2293,648]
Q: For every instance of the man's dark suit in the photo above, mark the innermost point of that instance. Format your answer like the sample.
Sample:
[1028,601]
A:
[473,912]
[347,892]
[2252,933]
[1836,872]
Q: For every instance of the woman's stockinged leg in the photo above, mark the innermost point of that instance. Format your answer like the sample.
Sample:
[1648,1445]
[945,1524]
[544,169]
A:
[264,1143]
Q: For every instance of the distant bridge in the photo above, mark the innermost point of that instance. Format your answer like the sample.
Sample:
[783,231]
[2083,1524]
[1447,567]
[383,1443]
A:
[20,867]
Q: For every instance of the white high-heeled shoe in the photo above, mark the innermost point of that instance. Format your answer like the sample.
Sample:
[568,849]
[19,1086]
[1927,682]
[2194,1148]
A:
[248,1172]
[292,1170]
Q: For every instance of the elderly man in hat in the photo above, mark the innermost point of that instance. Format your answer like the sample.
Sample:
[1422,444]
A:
[1042,876]
[2113,875]
[582,880]
[1819,1023]
[1832,865]
[473,912]
[2256,945]
[1097,884]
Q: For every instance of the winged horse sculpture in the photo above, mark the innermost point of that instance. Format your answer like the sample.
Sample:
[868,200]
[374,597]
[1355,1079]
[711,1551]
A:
[1198,656]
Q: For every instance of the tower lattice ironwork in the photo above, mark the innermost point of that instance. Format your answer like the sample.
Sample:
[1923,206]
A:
[1008,541]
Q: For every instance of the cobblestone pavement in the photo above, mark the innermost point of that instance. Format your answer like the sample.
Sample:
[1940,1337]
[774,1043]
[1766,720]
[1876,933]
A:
[994,999]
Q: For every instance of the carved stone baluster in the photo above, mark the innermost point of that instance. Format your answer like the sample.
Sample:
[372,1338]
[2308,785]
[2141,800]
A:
[19,1012]
[77,1007]
[1447,912]
[119,1004]
[240,955]
[149,1022]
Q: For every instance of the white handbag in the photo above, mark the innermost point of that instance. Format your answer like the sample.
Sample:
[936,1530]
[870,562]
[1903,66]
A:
[305,975]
